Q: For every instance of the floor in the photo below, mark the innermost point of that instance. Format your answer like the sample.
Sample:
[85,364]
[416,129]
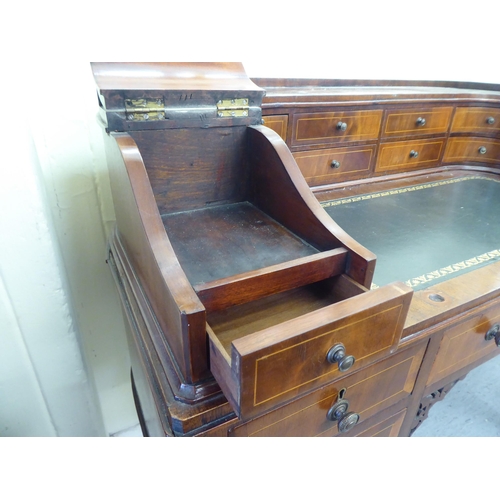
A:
[134,431]
[471,408]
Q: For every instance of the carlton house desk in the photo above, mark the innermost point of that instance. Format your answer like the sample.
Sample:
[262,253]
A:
[300,257]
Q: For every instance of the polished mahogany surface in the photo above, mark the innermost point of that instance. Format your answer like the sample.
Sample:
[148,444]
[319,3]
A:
[177,76]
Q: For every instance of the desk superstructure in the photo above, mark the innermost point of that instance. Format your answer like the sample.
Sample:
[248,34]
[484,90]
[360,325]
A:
[250,311]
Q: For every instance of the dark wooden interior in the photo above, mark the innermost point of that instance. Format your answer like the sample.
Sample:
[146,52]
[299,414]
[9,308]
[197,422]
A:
[250,310]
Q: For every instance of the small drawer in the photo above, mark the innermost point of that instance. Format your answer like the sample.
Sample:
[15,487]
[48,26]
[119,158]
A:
[269,351]
[419,122]
[466,342]
[475,150]
[335,127]
[409,155]
[278,123]
[476,120]
[367,392]
[332,165]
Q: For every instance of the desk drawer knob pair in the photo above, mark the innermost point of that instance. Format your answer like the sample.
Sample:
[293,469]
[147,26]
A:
[338,413]
[342,126]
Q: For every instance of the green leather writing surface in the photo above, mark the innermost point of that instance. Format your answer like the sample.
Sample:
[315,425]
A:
[427,233]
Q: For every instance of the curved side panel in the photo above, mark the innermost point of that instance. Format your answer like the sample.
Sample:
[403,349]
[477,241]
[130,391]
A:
[279,189]
[180,314]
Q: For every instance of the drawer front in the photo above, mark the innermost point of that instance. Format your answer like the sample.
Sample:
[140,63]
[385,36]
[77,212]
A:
[476,120]
[368,392]
[335,127]
[409,155]
[464,343]
[419,122]
[460,150]
[278,123]
[280,363]
[332,165]
[389,427]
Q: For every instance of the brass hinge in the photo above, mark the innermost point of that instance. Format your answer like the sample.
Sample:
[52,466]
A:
[232,108]
[140,110]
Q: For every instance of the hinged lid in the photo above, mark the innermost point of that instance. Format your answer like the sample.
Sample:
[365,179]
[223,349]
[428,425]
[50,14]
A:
[138,96]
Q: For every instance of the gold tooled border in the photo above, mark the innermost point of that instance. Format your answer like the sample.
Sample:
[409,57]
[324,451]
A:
[438,273]
[453,268]
[418,187]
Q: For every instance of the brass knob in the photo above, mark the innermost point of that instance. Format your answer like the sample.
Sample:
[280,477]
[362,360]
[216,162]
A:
[494,333]
[420,121]
[413,154]
[342,126]
[338,413]
[338,410]
[335,164]
[482,150]
[348,421]
[490,120]
[337,354]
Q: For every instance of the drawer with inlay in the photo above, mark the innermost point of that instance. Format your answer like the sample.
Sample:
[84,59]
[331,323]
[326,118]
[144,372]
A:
[339,407]
[272,350]
[407,155]
[417,122]
[387,427]
[333,165]
[474,336]
[278,123]
[476,150]
[335,127]
[476,120]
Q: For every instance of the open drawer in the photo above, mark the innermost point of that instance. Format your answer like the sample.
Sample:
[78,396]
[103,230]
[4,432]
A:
[267,352]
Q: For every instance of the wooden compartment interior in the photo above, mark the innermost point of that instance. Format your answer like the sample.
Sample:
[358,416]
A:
[231,250]
[217,242]
[242,320]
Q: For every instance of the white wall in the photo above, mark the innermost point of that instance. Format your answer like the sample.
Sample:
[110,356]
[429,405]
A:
[385,39]
[45,386]
[64,366]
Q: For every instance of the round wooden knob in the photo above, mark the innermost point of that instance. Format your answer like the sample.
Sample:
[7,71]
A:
[494,333]
[337,354]
[342,126]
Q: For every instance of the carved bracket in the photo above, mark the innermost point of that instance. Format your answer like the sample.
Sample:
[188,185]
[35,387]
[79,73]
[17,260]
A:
[429,401]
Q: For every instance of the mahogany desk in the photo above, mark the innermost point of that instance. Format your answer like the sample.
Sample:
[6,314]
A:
[271,239]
